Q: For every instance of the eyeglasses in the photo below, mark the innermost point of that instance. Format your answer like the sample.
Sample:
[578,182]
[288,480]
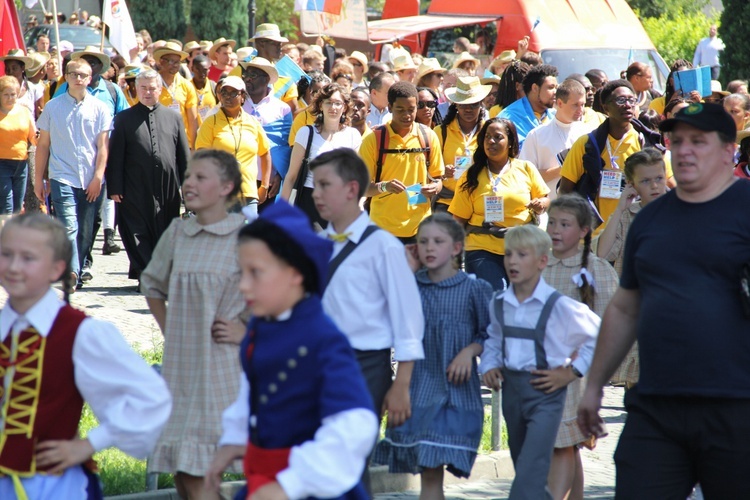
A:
[229,94]
[356,64]
[254,75]
[473,105]
[622,101]
[79,76]
[173,62]
[427,104]
[334,104]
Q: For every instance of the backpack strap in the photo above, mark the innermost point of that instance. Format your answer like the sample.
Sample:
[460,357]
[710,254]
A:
[303,168]
[350,246]
[424,141]
[212,84]
[52,88]
[382,135]
[112,92]
[444,133]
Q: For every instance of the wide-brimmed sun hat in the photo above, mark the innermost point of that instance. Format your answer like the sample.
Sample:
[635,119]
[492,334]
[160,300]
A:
[39,61]
[268,31]
[402,60]
[429,65]
[18,55]
[218,44]
[465,57]
[360,58]
[263,65]
[716,88]
[133,70]
[490,80]
[170,48]
[468,90]
[93,50]
[191,46]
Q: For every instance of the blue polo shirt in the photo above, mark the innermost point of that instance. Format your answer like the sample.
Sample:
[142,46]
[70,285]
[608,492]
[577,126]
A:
[103,94]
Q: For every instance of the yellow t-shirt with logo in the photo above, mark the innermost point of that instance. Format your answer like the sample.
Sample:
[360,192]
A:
[572,168]
[455,145]
[518,185]
[393,212]
[206,100]
[303,119]
[181,95]
[243,137]
[495,110]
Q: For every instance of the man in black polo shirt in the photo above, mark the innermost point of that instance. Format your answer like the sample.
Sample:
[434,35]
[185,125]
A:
[680,296]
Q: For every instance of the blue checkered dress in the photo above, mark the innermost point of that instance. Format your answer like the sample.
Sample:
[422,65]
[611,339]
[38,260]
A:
[446,423]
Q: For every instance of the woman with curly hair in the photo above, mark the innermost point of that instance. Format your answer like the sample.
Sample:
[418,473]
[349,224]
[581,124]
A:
[332,110]
[497,192]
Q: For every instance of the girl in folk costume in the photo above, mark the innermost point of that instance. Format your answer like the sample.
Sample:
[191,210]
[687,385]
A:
[52,359]
[445,426]
[581,275]
[303,418]
[191,288]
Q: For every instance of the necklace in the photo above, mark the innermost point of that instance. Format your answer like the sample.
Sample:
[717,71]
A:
[237,140]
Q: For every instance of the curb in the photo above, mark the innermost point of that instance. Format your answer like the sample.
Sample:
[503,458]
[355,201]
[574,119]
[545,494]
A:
[497,465]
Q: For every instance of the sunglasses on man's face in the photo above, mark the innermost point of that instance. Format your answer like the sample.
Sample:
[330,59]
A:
[427,104]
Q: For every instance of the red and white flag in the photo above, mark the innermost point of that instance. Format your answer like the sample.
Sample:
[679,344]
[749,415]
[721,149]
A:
[121,33]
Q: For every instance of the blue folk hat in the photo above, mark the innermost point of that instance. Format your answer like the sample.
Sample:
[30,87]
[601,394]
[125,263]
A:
[295,224]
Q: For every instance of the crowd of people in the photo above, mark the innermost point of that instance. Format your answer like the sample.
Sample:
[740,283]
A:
[506,225]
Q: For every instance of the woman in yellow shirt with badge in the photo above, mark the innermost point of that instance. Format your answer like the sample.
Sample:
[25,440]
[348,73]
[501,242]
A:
[497,192]
[233,130]
[458,133]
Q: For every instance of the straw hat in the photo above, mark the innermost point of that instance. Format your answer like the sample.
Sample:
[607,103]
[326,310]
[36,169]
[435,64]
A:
[263,65]
[40,59]
[18,55]
[132,70]
[742,134]
[93,50]
[268,31]
[191,46]
[206,44]
[234,82]
[169,48]
[490,80]
[506,56]
[429,65]
[218,44]
[716,88]
[468,90]
[360,58]
[464,57]
[401,60]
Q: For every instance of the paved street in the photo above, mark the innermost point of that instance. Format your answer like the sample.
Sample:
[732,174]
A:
[111,296]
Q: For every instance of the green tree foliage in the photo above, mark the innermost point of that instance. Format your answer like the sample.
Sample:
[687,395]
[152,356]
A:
[163,19]
[671,8]
[676,37]
[735,22]
[279,12]
[211,19]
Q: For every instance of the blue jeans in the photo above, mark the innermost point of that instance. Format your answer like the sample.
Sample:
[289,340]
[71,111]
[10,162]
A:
[13,175]
[489,267]
[77,215]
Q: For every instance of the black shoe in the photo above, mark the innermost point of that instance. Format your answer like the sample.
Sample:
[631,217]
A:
[110,246]
[86,274]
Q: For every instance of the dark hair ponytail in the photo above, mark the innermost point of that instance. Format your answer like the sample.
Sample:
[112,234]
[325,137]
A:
[586,290]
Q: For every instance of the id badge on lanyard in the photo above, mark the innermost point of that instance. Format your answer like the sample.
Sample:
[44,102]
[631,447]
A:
[610,186]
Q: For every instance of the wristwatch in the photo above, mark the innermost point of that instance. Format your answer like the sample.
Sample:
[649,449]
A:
[576,372]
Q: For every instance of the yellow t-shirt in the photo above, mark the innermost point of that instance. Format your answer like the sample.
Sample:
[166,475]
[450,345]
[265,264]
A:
[572,168]
[593,118]
[495,110]
[15,129]
[301,120]
[658,105]
[206,100]
[393,212]
[243,137]
[132,101]
[520,184]
[455,145]
[367,131]
[180,97]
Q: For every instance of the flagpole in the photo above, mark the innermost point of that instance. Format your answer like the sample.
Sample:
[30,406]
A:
[57,35]
[101,44]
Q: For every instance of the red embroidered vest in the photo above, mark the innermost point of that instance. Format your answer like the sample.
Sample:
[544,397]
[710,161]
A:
[43,402]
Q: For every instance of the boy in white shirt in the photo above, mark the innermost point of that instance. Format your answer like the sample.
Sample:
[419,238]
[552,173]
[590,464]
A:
[533,334]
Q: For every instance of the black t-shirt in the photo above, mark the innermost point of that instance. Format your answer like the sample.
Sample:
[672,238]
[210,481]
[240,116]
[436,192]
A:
[685,259]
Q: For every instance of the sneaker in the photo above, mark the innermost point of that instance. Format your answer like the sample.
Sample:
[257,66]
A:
[86,273]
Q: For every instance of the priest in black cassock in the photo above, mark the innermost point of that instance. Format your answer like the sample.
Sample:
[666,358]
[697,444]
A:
[148,156]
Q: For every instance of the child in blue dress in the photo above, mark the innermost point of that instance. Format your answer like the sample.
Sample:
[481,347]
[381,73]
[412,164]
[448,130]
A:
[445,426]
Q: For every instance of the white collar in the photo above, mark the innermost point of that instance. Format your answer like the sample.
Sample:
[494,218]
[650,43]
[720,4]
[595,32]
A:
[356,228]
[41,315]
[541,293]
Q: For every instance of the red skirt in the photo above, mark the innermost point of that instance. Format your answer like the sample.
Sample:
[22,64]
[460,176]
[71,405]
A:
[262,465]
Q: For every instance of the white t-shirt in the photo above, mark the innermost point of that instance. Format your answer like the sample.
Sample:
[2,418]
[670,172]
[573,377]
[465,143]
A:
[346,138]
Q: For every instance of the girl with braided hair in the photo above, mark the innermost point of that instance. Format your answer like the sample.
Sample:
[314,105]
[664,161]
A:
[578,273]
[511,86]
